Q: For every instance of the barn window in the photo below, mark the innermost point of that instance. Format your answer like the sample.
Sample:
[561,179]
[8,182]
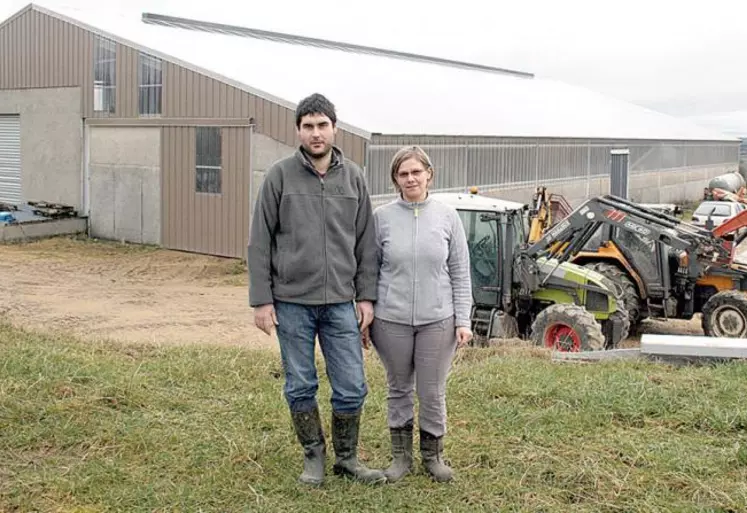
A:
[208,169]
[104,75]
[151,84]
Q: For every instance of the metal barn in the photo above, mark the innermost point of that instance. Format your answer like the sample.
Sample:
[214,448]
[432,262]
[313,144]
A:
[159,129]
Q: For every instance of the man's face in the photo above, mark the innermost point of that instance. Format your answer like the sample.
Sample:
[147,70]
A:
[317,134]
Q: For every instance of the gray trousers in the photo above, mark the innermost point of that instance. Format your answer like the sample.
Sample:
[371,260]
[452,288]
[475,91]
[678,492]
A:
[421,354]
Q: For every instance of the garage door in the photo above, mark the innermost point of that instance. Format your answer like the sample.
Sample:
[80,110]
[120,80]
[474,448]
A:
[10,159]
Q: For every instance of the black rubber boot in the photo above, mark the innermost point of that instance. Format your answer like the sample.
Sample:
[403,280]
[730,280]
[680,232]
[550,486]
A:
[345,440]
[401,453]
[308,426]
[431,451]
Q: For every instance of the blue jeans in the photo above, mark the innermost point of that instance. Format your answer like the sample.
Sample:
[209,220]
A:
[340,341]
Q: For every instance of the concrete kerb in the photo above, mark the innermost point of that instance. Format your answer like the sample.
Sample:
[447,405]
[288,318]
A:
[21,232]
[676,350]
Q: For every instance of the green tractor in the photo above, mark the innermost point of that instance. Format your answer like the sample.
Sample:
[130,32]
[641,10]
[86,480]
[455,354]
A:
[517,294]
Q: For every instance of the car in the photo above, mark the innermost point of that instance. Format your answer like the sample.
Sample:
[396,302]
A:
[717,211]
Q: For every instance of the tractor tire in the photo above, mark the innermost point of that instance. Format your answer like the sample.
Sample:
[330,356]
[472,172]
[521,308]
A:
[624,319]
[725,315]
[567,328]
[630,291]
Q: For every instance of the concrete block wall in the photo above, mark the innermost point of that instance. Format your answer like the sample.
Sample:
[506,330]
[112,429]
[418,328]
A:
[51,142]
[124,166]
[265,152]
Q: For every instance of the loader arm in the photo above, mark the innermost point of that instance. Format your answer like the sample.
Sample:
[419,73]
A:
[568,237]
[732,225]
[547,209]
[540,214]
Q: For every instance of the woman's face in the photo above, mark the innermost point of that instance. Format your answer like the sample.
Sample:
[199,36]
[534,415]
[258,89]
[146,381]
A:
[413,178]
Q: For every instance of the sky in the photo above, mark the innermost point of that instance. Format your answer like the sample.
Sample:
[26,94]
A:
[689,62]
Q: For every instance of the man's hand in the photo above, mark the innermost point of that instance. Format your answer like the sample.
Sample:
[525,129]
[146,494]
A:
[265,319]
[365,314]
[463,335]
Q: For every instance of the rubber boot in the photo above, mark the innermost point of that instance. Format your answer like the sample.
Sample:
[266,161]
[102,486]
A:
[431,451]
[308,426]
[401,453]
[345,440]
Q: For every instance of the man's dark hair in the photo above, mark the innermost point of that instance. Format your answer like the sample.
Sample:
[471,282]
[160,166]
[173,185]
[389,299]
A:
[315,104]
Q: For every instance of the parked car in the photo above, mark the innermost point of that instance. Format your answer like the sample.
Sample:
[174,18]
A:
[719,211]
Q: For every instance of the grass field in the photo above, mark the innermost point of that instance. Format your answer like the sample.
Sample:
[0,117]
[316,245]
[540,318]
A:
[89,427]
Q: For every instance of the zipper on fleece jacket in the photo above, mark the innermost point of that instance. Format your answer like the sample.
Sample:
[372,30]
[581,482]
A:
[414,262]
[324,239]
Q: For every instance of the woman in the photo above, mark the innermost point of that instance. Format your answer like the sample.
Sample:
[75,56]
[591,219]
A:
[422,312]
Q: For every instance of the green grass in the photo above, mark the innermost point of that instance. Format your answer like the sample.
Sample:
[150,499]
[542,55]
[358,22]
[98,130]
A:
[89,427]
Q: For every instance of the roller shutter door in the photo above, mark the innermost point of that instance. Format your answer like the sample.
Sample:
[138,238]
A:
[10,159]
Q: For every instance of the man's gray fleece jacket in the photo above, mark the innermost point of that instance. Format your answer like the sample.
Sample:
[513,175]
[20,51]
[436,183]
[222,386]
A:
[312,239]
[424,273]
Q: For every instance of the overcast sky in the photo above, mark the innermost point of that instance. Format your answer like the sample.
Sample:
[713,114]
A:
[682,61]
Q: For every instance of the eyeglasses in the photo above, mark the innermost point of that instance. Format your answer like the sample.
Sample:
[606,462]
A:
[416,173]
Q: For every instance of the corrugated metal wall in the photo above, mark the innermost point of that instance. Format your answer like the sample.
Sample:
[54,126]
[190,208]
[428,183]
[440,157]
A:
[37,50]
[216,224]
[127,82]
[10,159]
[462,162]
[40,51]
[189,94]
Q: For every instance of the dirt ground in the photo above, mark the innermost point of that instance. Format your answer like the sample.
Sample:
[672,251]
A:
[126,292]
[135,293]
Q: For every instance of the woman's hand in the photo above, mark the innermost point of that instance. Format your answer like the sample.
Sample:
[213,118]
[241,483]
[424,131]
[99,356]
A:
[463,335]
[366,337]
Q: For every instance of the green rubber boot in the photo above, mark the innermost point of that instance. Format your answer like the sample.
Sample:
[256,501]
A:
[345,441]
[431,450]
[308,426]
[401,453]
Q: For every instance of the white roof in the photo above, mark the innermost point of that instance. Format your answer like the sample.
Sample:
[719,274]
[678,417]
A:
[463,201]
[391,96]
[734,122]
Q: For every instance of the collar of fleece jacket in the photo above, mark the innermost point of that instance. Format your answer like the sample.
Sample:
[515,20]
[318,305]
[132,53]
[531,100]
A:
[412,205]
[336,160]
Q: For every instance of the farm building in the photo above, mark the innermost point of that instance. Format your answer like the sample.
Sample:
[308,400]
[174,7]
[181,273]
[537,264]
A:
[159,129]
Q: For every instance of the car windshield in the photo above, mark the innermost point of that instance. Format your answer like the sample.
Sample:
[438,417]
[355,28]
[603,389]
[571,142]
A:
[719,209]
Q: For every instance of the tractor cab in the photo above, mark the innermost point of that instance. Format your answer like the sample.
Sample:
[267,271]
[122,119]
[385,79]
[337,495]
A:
[486,239]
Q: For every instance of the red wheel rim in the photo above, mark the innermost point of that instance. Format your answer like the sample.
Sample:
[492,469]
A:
[562,338]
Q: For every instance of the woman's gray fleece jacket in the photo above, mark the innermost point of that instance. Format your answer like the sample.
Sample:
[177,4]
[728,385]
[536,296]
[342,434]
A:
[424,269]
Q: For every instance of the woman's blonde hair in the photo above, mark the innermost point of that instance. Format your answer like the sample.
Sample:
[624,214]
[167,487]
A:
[406,153]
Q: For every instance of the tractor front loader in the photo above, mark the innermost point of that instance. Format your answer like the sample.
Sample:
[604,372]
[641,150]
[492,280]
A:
[667,268]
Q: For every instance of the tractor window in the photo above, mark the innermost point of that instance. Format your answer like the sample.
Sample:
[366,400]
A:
[595,241]
[643,254]
[520,235]
[483,244]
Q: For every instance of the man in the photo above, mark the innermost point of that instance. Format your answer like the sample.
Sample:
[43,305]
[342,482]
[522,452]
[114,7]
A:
[313,272]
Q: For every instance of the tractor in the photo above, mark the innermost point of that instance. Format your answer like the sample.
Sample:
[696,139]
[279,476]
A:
[667,268]
[555,304]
